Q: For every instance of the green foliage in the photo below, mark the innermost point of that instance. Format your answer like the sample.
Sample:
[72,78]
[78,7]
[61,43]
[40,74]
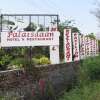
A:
[9,56]
[75,29]
[99,43]
[89,81]
[5,21]
[67,23]
[9,98]
[88,92]
[91,68]
[96,11]
[8,22]
[5,60]
[17,57]
[36,61]
[91,35]
[41,61]
[17,63]
[50,95]
[44,60]
[31,27]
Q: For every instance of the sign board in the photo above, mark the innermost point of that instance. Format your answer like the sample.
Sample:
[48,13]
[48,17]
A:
[54,54]
[10,39]
[87,46]
[91,47]
[94,47]
[67,45]
[76,54]
[54,50]
[97,48]
[82,47]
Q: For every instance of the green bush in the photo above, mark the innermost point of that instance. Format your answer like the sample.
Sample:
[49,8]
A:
[87,92]
[35,61]
[91,68]
[44,60]
[17,63]
[38,56]
[41,61]
[94,69]
[50,94]
[5,60]
[89,81]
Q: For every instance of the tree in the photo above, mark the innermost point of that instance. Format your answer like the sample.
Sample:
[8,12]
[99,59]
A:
[31,27]
[91,35]
[68,24]
[96,12]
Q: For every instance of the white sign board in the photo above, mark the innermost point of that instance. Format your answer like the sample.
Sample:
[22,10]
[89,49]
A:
[10,39]
[54,50]
[87,46]
[82,47]
[67,45]
[94,47]
[76,54]
[91,47]
[97,48]
[54,54]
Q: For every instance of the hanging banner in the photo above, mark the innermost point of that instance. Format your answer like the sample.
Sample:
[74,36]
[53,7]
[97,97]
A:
[87,46]
[82,47]
[10,39]
[97,48]
[91,47]
[67,45]
[54,54]
[94,47]
[76,54]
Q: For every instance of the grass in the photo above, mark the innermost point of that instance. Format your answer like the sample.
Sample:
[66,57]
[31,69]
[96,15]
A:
[87,92]
[89,82]
[7,98]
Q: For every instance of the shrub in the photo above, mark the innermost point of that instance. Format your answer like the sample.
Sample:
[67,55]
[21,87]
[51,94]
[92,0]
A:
[35,61]
[44,60]
[50,93]
[41,61]
[38,56]
[87,92]
[17,63]
[89,85]
[91,68]
[5,60]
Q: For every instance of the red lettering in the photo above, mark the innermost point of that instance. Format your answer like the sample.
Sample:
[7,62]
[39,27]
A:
[9,34]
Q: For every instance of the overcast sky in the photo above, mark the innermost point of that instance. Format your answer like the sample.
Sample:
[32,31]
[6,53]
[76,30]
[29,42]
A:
[79,10]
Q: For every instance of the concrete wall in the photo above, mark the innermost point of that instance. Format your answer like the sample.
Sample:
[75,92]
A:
[46,82]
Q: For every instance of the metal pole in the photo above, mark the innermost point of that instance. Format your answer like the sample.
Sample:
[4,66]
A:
[44,24]
[38,21]
[57,22]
